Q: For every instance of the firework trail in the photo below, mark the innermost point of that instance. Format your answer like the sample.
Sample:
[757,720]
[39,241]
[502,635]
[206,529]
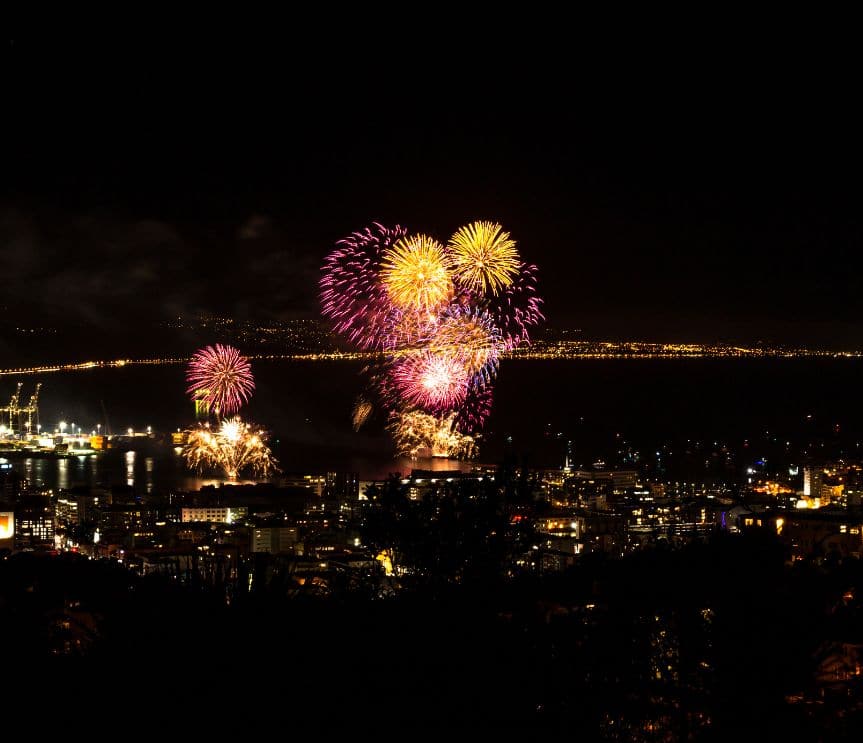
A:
[220,378]
[361,412]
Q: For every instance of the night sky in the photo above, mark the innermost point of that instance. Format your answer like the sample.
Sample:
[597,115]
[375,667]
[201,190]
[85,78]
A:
[661,199]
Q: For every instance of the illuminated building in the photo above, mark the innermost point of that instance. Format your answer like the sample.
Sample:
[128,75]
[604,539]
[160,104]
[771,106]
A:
[559,539]
[213,514]
[812,482]
[342,485]
[274,539]
[124,517]
[10,483]
[34,523]
[821,532]
[67,512]
[7,530]
[854,487]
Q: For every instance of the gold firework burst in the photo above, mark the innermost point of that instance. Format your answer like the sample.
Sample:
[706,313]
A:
[482,257]
[415,274]
[233,448]
[417,433]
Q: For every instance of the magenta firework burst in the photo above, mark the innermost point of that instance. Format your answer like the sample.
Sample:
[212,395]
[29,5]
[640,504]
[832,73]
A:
[352,294]
[442,314]
[518,308]
[221,377]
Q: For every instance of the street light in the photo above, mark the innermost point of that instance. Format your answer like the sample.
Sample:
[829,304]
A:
[62,426]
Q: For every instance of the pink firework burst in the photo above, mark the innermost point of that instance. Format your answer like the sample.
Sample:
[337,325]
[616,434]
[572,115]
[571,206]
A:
[221,377]
[518,308]
[352,295]
[475,408]
[432,381]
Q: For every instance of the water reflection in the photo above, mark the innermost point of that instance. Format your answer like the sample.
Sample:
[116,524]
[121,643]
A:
[130,469]
[163,471]
[149,464]
[62,474]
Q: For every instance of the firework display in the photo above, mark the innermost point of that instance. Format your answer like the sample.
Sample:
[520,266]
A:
[362,410]
[482,257]
[415,274]
[352,294]
[234,447]
[416,432]
[441,316]
[432,381]
[220,379]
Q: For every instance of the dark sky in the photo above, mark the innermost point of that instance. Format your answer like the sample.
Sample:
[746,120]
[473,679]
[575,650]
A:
[662,197]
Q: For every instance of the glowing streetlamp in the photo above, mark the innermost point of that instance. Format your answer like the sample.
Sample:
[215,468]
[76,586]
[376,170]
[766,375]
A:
[62,426]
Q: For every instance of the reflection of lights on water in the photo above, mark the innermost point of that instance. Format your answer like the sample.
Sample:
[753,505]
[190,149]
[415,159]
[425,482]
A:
[149,464]
[63,474]
[130,468]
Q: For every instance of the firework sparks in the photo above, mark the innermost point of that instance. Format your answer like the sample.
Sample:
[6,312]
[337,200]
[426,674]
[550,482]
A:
[432,381]
[352,295]
[220,378]
[472,413]
[441,317]
[482,257]
[415,275]
[361,412]
[233,448]
[420,434]
[517,309]
[470,336]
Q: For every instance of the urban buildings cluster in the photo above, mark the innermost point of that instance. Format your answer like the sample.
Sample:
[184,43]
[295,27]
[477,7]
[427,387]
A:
[331,535]
[317,522]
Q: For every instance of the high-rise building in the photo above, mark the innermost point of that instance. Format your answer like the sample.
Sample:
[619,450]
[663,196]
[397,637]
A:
[812,477]
[34,523]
